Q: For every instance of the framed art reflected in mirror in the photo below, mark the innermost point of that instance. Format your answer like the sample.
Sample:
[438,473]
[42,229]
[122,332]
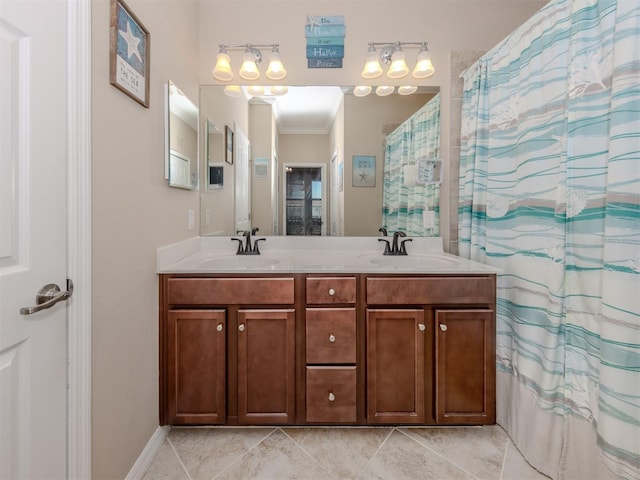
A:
[228,135]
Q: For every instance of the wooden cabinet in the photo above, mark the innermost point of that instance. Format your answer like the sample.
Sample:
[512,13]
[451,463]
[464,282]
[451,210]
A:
[196,377]
[395,366]
[465,366]
[266,366]
[361,349]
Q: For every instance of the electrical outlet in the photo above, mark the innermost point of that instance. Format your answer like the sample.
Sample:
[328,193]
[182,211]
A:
[191,219]
[429,219]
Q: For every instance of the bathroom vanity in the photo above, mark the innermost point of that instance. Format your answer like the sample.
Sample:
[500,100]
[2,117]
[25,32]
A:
[325,332]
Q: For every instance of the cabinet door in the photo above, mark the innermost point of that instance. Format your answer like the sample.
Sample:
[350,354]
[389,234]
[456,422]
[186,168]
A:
[465,366]
[196,367]
[395,366]
[266,366]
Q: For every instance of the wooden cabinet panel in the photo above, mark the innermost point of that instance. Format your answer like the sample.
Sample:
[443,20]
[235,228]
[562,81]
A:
[395,366]
[465,366]
[330,290]
[430,290]
[266,366]
[331,335]
[331,394]
[234,291]
[196,367]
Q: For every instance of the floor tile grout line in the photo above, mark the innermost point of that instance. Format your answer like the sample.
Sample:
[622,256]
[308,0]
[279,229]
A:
[504,458]
[364,469]
[273,430]
[184,467]
[307,453]
[448,460]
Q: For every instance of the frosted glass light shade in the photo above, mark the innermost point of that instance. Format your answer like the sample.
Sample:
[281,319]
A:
[362,90]
[384,90]
[275,70]
[372,67]
[407,89]
[278,90]
[249,69]
[232,91]
[256,90]
[398,68]
[424,67]
[222,70]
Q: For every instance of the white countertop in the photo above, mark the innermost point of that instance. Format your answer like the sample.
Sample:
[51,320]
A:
[293,254]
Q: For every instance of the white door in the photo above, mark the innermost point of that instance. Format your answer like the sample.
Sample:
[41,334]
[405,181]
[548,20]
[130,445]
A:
[242,178]
[333,188]
[33,238]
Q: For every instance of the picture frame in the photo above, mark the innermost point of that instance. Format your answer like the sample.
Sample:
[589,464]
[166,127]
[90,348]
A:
[228,141]
[216,177]
[363,173]
[129,53]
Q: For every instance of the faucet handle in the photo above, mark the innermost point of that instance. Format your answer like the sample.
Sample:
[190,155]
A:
[240,250]
[403,248]
[256,250]
[383,231]
[387,246]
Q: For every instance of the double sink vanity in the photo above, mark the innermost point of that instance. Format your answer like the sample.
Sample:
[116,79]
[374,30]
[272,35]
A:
[324,331]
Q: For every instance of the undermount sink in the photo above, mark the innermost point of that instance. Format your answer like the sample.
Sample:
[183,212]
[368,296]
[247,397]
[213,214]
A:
[241,261]
[413,261]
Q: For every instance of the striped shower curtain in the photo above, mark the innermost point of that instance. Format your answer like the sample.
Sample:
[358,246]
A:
[403,204]
[550,193]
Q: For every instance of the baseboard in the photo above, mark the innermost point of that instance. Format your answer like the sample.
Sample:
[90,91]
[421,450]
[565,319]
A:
[148,453]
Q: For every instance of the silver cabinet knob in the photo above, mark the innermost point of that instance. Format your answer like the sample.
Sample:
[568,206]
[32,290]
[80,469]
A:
[422,327]
[332,397]
[443,327]
[332,292]
[332,338]
[241,327]
[219,327]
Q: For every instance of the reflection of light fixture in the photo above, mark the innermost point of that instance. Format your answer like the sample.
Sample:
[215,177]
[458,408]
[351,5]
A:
[252,57]
[362,90]
[384,90]
[393,55]
[255,90]
[278,90]
[233,90]
[407,89]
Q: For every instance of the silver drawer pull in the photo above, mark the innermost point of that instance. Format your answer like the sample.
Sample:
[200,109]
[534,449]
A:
[332,292]
[241,327]
[443,327]
[332,397]
[422,327]
[332,338]
[219,327]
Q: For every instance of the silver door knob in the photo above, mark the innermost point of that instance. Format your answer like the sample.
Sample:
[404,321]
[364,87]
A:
[47,297]
[219,327]
[443,327]
[332,292]
[241,327]
[332,338]
[422,327]
[332,397]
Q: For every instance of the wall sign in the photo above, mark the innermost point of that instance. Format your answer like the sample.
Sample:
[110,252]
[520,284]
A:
[325,41]
[364,171]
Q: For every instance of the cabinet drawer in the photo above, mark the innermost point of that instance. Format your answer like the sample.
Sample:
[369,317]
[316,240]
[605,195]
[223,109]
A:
[331,335]
[331,394]
[234,291]
[330,290]
[432,290]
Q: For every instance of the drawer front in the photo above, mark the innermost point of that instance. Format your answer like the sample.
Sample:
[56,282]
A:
[330,290]
[331,335]
[432,290]
[225,291]
[331,394]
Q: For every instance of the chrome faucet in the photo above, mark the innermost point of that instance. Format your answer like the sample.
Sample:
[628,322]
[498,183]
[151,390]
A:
[248,248]
[394,248]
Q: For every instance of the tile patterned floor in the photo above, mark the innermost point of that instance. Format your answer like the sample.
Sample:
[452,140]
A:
[340,453]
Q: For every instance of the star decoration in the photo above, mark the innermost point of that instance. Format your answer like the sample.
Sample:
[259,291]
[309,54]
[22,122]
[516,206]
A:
[363,177]
[132,42]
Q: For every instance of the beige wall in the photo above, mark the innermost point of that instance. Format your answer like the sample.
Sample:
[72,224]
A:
[134,212]
[261,137]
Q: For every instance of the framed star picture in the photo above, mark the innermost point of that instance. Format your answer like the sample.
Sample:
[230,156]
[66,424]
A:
[364,171]
[129,53]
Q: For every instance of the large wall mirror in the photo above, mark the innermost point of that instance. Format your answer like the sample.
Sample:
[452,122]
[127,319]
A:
[316,159]
[181,124]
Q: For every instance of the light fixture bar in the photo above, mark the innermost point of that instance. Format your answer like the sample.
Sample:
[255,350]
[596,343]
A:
[391,53]
[252,57]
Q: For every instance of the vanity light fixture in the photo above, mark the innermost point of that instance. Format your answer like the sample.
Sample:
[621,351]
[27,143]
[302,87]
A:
[278,90]
[407,89]
[384,90]
[233,90]
[251,58]
[392,54]
[362,90]
[255,90]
